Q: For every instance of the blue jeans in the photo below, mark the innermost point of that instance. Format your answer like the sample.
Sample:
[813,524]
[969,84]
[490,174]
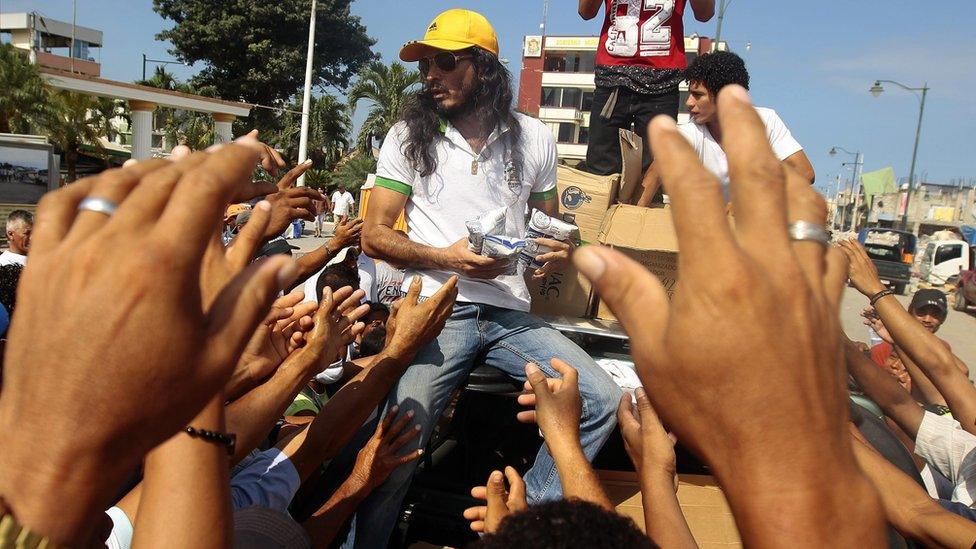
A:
[504,339]
[298,226]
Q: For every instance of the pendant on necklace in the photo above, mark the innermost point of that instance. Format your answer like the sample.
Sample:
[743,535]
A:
[474,167]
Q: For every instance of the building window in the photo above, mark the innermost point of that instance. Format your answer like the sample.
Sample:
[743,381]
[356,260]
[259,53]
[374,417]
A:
[572,98]
[550,97]
[585,61]
[584,135]
[587,101]
[566,132]
[554,62]
[569,61]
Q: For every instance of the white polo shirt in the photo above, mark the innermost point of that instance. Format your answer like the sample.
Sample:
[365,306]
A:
[713,157]
[440,204]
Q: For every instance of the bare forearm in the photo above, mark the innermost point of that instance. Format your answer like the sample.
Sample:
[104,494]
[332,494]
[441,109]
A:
[589,8]
[663,520]
[382,242]
[922,387]
[704,9]
[186,499]
[253,415]
[577,476]
[884,390]
[325,523]
[344,414]
[313,261]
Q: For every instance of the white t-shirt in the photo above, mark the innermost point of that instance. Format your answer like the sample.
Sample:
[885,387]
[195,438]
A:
[440,204]
[342,203]
[713,157]
[10,258]
[367,280]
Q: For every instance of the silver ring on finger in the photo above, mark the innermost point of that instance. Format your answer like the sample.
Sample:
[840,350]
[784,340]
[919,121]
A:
[98,205]
[807,231]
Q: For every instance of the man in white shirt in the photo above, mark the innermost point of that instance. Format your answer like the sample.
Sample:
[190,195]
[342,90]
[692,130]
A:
[342,202]
[706,75]
[461,150]
[20,224]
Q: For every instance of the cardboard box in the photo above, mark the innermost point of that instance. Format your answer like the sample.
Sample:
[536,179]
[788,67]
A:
[586,197]
[702,503]
[632,167]
[647,236]
[564,293]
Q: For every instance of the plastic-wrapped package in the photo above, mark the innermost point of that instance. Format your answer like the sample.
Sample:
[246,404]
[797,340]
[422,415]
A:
[543,226]
[503,247]
[490,222]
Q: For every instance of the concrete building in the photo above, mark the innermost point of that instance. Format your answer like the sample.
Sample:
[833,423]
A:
[48,44]
[556,85]
[933,206]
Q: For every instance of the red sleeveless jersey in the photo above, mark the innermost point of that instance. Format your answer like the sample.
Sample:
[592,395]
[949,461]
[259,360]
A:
[646,33]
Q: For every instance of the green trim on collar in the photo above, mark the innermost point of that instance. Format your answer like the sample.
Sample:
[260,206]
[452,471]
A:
[543,195]
[442,125]
[394,185]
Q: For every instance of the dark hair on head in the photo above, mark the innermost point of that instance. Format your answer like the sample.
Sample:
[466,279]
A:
[566,524]
[335,277]
[716,70]
[373,342]
[491,101]
[377,307]
[9,278]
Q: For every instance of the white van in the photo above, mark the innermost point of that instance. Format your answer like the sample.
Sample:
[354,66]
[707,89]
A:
[943,259]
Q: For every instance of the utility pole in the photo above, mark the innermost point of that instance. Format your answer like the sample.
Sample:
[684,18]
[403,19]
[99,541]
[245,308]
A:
[74,23]
[307,98]
[718,25]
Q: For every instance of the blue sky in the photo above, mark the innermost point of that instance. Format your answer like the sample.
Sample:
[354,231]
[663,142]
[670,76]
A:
[811,61]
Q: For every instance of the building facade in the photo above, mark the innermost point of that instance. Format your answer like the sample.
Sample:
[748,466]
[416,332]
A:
[933,207]
[556,85]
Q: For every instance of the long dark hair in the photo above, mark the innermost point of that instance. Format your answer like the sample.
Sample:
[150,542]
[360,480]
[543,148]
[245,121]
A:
[491,101]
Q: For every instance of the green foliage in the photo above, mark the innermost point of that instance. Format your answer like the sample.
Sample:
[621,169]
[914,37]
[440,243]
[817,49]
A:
[181,127]
[71,120]
[255,51]
[352,171]
[386,89]
[22,90]
[328,131]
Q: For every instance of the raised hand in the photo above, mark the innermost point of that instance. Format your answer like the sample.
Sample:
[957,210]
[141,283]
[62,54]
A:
[772,318]
[649,445]
[288,205]
[379,457]
[129,319]
[873,321]
[863,273]
[416,323]
[557,405]
[499,501]
[347,233]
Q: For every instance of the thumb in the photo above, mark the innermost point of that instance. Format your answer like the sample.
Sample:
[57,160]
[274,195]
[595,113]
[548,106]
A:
[635,296]
[496,495]
[537,380]
[516,497]
[241,306]
[242,248]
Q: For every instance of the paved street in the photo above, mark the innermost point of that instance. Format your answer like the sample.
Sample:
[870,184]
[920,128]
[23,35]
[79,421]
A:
[959,329]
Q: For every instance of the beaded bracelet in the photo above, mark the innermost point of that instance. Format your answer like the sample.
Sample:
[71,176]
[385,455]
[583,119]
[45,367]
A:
[229,440]
[886,292]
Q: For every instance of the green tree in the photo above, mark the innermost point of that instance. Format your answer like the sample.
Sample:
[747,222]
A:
[352,171]
[71,120]
[255,51]
[193,129]
[387,89]
[22,90]
[328,131]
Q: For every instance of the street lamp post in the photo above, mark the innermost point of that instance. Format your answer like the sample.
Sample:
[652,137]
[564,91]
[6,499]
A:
[876,91]
[158,62]
[855,184]
[306,95]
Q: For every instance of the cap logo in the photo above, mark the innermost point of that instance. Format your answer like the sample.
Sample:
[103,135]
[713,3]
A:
[432,27]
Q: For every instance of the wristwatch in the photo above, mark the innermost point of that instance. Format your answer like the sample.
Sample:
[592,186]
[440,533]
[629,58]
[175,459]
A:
[13,535]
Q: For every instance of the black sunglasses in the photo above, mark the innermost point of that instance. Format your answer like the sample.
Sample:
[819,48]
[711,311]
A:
[446,61]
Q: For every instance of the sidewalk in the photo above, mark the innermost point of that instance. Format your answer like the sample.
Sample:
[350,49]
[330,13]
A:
[307,242]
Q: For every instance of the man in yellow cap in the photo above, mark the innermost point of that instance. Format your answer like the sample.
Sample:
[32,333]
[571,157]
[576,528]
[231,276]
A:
[459,151]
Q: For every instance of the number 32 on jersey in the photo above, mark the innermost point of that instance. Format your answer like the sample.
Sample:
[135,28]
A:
[628,37]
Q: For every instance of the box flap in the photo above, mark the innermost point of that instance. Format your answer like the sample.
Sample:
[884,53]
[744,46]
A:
[639,228]
[632,165]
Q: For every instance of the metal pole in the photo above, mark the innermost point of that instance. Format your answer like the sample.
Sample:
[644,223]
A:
[143,67]
[718,26]
[307,99]
[74,21]
[545,15]
[911,173]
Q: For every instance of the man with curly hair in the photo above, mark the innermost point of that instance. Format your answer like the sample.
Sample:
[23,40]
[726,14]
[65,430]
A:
[707,75]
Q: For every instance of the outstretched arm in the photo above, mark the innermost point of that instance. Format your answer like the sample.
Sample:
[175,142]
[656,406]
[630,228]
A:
[704,9]
[896,402]
[589,8]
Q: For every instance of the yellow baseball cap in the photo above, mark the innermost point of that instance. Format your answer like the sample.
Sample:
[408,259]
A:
[452,30]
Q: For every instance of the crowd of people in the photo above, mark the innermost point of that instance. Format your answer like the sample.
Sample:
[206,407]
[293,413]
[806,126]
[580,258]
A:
[173,378]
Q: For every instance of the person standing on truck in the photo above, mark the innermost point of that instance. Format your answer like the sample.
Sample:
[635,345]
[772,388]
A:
[460,150]
[638,67]
[706,75]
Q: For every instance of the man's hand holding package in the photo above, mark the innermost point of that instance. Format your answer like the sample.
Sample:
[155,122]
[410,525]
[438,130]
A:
[460,259]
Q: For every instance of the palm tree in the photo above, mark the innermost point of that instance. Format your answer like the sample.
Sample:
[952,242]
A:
[22,90]
[353,170]
[387,88]
[71,120]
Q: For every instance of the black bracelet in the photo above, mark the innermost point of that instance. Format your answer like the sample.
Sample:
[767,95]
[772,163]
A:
[229,440]
[874,299]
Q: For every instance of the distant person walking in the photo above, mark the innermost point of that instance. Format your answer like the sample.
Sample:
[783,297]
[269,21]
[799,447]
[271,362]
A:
[342,203]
